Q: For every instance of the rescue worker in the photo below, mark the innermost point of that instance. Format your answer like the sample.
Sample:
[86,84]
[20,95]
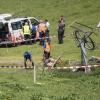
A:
[47,30]
[48,61]
[34,32]
[46,53]
[42,32]
[34,29]
[26,31]
[28,56]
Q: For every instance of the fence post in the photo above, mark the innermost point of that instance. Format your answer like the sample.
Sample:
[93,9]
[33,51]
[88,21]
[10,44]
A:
[34,71]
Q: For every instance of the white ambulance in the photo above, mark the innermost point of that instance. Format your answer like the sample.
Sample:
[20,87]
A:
[11,29]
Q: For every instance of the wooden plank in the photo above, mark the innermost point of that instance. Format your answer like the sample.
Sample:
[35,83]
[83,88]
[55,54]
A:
[56,61]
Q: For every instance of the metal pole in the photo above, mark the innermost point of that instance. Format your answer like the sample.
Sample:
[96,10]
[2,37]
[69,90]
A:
[84,25]
[34,71]
[84,56]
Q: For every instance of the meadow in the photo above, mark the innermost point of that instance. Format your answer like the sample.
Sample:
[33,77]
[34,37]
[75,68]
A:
[17,84]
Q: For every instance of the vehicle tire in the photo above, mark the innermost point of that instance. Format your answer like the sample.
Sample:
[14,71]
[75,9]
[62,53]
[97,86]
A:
[89,44]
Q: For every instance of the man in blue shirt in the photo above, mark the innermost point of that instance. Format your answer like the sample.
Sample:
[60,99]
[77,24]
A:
[28,56]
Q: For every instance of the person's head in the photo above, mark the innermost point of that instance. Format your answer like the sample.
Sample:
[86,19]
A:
[61,17]
[26,23]
[41,21]
[34,24]
[46,20]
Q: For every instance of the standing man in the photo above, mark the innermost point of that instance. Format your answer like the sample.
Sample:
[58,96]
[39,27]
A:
[47,30]
[62,19]
[42,32]
[60,29]
[34,32]
[26,31]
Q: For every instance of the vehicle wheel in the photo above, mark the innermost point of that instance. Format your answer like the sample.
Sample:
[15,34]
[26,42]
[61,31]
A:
[89,44]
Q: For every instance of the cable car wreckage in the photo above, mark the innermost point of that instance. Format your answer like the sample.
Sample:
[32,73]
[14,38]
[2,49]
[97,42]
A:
[11,29]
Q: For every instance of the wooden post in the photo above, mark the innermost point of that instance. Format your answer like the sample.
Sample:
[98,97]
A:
[34,70]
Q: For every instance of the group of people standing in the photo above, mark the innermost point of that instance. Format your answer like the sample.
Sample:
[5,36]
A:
[39,31]
[42,30]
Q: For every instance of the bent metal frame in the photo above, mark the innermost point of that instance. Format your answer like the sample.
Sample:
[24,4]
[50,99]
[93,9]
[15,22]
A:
[84,41]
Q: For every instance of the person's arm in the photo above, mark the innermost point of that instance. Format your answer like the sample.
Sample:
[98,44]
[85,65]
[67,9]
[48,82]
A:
[57,27]
[64,26]
[23,29]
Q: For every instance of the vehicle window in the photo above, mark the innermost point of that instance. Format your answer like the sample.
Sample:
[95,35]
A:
[16,25]
[34,21]
[23,21]
[1,25]
[6,28]
[3,31]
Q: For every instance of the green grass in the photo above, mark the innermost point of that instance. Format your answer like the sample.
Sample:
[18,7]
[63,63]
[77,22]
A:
[17,84]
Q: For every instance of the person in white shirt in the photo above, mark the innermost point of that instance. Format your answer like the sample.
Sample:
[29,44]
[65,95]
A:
[47,30]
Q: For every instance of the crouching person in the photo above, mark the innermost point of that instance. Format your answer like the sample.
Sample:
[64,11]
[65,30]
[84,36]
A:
[48,61]
[28,56]
[51,63]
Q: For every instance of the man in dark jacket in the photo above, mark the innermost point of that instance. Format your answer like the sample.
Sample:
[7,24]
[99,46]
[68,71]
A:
[61,29]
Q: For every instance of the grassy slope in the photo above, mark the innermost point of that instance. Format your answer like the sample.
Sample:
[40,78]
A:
[17,85]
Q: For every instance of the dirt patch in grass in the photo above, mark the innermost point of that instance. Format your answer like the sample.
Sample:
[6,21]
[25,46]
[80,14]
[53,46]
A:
[4,61]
